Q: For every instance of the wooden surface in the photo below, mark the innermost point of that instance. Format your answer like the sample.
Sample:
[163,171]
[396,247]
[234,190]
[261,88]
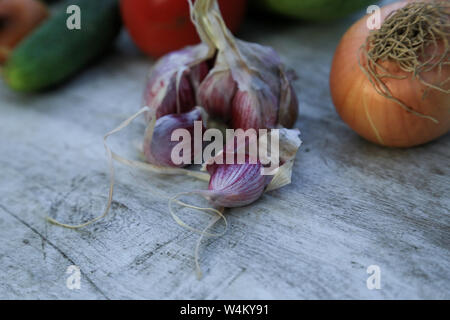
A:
[351,204]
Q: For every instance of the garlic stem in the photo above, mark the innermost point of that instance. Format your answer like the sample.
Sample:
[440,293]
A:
[209,22]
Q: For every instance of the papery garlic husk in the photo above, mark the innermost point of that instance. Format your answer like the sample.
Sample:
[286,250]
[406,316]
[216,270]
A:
[174,79]
[158,145]
[235,185]
[289,144]
[289,105]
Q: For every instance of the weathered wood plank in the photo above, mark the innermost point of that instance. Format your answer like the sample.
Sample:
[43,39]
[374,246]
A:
[352,204]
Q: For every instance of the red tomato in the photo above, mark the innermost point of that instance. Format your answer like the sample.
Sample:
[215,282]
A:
[161,26]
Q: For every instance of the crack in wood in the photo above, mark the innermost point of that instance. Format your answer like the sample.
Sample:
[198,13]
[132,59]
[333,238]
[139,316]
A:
[50,243]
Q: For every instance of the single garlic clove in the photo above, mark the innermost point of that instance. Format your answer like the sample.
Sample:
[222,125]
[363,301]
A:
[254,109]
[161,94]
[158,151]
[235,185]
[197,74]
[216,94]
[173,80]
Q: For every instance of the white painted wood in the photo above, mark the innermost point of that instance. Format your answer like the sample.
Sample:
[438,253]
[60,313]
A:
[352,204]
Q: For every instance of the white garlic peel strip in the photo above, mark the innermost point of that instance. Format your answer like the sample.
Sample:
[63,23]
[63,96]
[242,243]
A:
[197,246]
[218,215]
[207,210]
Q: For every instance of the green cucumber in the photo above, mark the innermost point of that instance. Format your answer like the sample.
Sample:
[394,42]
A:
[53,53]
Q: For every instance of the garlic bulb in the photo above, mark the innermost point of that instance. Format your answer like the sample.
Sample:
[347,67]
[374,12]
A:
[244,84]
[241,83]
[247,79]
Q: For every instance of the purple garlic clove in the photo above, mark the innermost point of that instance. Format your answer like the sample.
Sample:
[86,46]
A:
[254,109]
[198,74]
[216,94]
[158,151]
[163,96]
[265,98]
[171,86]
[235,185]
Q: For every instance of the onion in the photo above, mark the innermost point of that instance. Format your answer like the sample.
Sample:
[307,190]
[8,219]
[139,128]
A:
[407,103]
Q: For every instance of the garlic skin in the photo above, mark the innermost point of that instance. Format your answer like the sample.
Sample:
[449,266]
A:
[288,113]
[158,151]
[235,185]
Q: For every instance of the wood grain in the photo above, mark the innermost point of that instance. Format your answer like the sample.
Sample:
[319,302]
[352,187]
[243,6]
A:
[351,204]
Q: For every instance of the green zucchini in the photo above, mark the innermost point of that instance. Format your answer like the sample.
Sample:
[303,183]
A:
[53,53]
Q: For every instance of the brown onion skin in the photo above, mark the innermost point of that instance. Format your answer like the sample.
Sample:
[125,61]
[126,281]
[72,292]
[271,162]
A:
[353,93]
